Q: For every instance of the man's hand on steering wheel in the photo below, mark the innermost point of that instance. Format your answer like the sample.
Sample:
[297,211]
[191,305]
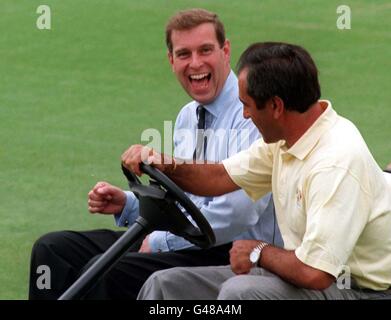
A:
[137,154]
[162,201]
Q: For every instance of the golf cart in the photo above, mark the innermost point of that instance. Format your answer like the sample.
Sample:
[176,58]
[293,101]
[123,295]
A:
[159,210]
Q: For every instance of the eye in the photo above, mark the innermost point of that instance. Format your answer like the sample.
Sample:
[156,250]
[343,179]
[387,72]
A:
[206,50]
[183,54]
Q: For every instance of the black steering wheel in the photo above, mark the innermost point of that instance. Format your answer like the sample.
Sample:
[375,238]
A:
[159,205]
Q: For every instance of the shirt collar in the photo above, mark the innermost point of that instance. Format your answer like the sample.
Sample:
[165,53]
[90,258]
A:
[228,93]
[307,142]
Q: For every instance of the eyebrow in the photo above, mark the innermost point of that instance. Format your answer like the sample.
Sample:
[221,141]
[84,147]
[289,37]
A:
[181,50]
[207,45]
[203,46]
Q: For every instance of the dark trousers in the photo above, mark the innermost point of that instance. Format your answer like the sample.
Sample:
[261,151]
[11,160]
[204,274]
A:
[68,253]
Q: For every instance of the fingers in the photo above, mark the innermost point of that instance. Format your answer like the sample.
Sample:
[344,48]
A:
[98,186]
[106,198]
[99,197]
[101,191]
[136,154]
[96,207]
[158,160]
[239,256]
[131,159]
[104,192]
[96,203]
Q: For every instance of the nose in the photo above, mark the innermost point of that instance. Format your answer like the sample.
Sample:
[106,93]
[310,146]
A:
[196,61]
[246,114]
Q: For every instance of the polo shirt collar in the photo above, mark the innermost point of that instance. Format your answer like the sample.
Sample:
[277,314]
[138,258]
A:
[307,142]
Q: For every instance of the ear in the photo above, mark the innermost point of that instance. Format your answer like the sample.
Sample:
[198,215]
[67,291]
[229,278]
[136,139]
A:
[227,50]
[278,107]
[171,59]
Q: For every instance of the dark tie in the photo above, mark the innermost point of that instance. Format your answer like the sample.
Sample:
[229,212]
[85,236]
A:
[199,151]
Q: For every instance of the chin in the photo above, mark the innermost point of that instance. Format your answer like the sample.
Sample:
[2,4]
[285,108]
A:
[203,99]
[266,139]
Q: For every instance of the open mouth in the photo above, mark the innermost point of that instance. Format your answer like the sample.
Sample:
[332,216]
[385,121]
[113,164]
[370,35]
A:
[200,80]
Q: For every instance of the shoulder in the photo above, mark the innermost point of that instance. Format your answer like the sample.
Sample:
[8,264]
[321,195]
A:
[343,147]
[188,108]
[346,142]
[186,113]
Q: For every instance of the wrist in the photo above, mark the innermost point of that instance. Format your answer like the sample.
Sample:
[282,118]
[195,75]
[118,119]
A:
[122,200]
[256,253]
[169,169]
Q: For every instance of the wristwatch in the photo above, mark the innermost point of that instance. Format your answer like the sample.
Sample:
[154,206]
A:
[255,255]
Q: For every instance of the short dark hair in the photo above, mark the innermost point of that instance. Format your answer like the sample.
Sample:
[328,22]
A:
[188,19]
[283,70]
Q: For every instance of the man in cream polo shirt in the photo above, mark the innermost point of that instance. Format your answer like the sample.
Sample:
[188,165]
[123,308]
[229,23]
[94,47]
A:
[332,200]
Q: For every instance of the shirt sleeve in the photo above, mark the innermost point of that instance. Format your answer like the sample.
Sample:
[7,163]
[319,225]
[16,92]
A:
[129,213]
[251,169]
[337,212]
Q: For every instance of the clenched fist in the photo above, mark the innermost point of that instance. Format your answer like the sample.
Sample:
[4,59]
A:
[106,198]
[240,255]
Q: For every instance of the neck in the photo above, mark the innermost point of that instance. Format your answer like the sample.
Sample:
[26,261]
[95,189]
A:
[297,124]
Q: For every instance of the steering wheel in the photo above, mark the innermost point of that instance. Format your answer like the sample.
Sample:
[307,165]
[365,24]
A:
[159,206]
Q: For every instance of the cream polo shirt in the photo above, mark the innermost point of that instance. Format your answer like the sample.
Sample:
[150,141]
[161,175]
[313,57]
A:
[332,201]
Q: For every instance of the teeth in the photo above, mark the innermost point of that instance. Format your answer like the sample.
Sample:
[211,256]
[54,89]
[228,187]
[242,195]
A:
[198,76]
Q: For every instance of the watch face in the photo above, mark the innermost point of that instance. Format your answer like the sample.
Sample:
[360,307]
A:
[254,256]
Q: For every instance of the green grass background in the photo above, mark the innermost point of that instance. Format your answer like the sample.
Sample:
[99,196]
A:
[73,98]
